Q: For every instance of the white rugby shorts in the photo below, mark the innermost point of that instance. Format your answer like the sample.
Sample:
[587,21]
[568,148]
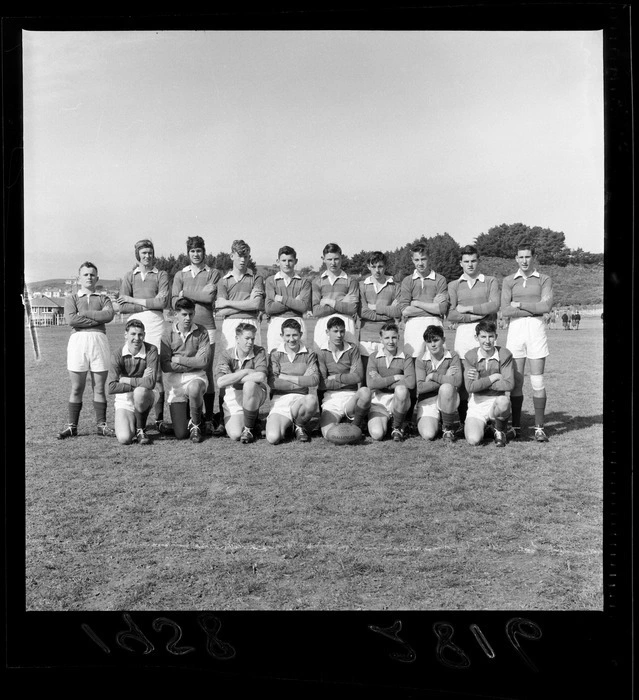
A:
[335,402]
[153,321]
[414,333]
[176,383]
[430,408]
[88,351]
[481,408]
[381,404]
[527,338]
[282,405]
[125,401]
[233,399]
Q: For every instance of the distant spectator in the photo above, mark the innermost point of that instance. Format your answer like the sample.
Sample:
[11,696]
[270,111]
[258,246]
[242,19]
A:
[565,319]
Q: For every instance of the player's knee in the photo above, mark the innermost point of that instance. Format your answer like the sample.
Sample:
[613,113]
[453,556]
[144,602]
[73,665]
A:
[364,394]
[447,391]
[402,393]
[537,382]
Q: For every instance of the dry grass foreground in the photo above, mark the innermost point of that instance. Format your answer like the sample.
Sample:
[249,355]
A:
[224,526]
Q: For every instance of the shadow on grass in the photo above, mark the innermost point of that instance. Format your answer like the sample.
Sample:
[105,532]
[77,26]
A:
[559,423]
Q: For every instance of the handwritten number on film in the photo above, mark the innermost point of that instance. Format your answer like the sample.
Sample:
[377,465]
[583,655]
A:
[450,654]
[211,625]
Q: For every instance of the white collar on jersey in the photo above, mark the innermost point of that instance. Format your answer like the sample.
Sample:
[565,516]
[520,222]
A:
[427,356]
[281,276]
[371,280]
[342,275]
[472,280]
[190,268]
[400,355]
[282,348]
[139,269]
[86,292]
[231,271]
[494,356]
[140,353]
[429,276]
[519,273]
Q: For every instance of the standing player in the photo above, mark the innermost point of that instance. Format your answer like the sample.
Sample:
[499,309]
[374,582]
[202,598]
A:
[379,305]
[87,312]
[423,300]
[488,375]
[474,297]
[564,319]
[334,294]
[287,296]
[144,293]
[341,372]
[439,377]
[184,358]
[391,378]
[292,371]
[198,282]
[242,373]
[240,296]
[132,378]
[526,297]
[577,319]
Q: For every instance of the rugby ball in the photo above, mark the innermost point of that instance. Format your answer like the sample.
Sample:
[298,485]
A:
[344,434]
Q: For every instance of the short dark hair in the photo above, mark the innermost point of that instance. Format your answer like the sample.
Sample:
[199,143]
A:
[390,326]
[143,243]
[240,247]
[195,242]
[433,332]
[241,327]
[419,248]
[185,303]
[526,246]
[468,250]
[331,248]
[88,264]
[291,323]
[376,257]
[486,327]
[335,322]
[287,250]
[134,323]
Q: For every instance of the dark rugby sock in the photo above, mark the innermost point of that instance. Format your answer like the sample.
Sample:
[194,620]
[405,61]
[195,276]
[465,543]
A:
[398,419]
[359,415]
[516,403]
[250,418]
[100,409]
[74,412]
[450,421]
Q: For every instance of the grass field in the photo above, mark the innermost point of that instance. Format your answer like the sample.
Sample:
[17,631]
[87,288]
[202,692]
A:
[224,526]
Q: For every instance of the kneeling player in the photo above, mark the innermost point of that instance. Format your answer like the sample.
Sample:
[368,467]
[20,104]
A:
[488,374]
[390,377]
[439,376]
[242,372]
[132,378]
[341,372]
[292,370]
[184,357]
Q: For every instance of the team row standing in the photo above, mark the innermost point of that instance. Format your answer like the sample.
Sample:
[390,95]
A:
[422,299]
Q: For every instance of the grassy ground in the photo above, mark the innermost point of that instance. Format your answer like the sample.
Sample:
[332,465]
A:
[410,526]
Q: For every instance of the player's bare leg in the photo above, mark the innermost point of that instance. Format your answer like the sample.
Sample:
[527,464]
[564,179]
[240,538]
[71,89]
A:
[517,395]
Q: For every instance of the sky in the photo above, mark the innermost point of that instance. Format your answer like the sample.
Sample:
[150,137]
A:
[368,139]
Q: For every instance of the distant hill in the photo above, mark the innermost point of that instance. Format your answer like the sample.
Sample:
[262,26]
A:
[60,283]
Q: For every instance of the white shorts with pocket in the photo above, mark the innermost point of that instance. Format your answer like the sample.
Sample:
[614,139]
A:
[232,404]
[227,334]
[274,330]
[282,405]
[88,351]
[175,384]
[527,338]
[414,333]
[335,402]
[125,401]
